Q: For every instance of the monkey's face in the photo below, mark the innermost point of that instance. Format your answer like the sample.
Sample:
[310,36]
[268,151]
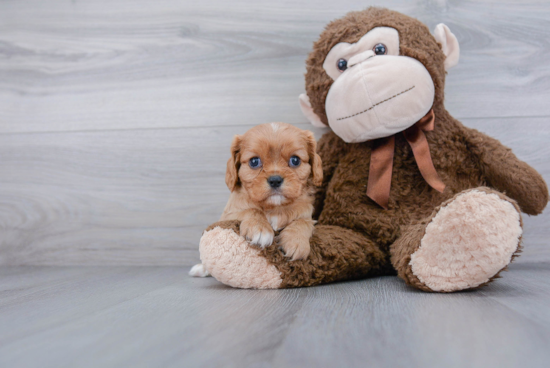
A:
[375,73]
[376,93]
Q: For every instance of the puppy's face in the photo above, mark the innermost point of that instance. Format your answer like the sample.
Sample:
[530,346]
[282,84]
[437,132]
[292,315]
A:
[273,163]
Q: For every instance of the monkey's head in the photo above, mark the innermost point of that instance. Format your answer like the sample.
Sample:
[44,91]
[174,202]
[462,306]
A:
[376,72]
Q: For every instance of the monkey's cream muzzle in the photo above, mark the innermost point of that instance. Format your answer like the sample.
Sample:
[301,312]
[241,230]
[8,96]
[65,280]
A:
[378,96]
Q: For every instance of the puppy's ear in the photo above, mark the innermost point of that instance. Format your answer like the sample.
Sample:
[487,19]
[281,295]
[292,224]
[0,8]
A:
[314,159]
[233,164]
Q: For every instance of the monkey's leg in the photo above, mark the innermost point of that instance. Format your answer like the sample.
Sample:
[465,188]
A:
[336,254]
[464,244]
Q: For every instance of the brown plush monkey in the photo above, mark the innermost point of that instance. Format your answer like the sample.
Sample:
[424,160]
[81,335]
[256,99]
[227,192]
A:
[407,188]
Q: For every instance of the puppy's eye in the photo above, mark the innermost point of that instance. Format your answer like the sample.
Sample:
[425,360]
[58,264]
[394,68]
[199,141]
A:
[255,162]
[342,64]
[380,49]
[294,161]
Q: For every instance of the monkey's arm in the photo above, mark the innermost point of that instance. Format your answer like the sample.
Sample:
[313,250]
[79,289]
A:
[505,172]
[330,148]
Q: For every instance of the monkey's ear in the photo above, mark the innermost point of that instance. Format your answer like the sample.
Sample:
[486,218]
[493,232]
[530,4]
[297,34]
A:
[233,164]
[314,159]
[449,45]
[307,110]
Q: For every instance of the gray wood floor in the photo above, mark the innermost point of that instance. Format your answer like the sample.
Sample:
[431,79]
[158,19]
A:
[115,124]
[157,317]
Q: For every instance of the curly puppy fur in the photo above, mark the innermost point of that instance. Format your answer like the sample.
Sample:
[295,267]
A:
[264,208]
[354,236]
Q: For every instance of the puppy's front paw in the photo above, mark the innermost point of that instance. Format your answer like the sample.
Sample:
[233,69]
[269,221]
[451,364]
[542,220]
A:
[295,248]
[257,232]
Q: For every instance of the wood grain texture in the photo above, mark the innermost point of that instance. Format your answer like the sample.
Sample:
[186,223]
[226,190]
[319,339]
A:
[122,65]
[116,117]
[144,196]
[159,317]
[111,197]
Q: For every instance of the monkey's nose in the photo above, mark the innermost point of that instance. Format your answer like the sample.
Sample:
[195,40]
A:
[275,181]
[359,58]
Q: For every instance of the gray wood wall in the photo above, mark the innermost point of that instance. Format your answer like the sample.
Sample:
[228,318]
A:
[116,116]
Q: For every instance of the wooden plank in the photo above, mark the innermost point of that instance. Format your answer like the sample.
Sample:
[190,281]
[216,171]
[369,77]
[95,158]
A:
[383,323]
[133,183]
[115,197]
[96,65]
[143,197]
[146,307]
[157,316]
[524,291]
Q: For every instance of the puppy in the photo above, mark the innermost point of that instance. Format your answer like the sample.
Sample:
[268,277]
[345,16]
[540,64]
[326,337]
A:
[271,175]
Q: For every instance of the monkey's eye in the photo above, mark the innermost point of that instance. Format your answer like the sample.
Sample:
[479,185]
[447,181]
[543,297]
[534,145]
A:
[255,163]
[380,49]
[294,161]
[342,64]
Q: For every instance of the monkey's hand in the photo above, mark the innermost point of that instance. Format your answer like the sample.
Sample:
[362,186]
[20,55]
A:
[506,173]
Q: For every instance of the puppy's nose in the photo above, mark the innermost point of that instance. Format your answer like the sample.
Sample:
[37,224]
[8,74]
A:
[275,181]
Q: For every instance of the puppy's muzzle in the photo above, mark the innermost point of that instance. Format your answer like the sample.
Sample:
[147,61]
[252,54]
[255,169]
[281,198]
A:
[275,181]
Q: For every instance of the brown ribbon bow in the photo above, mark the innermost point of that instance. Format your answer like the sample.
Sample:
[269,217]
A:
[381,160]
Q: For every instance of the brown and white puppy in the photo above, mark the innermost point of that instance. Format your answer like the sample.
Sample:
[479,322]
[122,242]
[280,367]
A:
[271,175]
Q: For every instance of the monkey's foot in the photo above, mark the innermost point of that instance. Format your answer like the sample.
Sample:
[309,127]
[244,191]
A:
[233,261]
[468,242]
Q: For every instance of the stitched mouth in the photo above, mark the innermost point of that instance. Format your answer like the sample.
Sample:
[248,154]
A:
[376,104]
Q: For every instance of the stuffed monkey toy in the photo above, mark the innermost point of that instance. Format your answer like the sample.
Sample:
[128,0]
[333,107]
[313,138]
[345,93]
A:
[407,189]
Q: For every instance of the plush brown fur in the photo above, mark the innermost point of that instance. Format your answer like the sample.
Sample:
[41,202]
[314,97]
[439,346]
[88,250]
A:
[354,236]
